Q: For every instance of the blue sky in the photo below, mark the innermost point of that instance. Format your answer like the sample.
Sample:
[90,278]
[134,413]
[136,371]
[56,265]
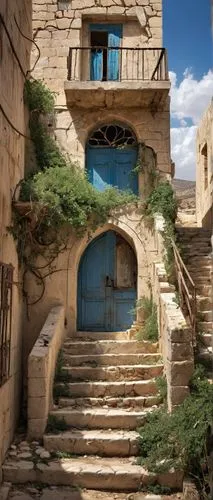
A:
[188,39]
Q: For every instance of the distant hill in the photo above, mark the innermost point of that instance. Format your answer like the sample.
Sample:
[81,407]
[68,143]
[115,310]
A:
[184,189]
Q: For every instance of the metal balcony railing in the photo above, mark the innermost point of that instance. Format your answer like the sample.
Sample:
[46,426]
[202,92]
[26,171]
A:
[117,64]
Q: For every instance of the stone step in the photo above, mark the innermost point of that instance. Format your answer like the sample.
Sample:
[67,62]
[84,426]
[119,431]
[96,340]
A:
[94,442]
[205,326]
[101,418]
[109,347]
[196,271]
[207,339]
[94,336]
[207,315]
[114,373]
[204,303]
[118,474]
[204,290]
[112,389]
[110,402]
[96,360]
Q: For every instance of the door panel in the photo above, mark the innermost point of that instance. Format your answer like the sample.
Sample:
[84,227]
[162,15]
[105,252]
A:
[112,167]
[101,305]
[99,163]
[124,162]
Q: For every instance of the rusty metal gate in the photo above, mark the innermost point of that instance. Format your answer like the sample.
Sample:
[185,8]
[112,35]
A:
[6,282]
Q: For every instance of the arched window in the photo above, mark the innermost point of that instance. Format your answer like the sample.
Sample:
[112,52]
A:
[111,157]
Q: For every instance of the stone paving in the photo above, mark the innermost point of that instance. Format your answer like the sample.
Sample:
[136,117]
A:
[30,492]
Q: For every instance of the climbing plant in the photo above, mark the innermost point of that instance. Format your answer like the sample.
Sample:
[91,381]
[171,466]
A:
[59,193]
[162,200]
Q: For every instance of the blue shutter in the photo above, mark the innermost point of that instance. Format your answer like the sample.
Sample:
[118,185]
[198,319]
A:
[114,40]
[124,161]
[96,64]
[99,163]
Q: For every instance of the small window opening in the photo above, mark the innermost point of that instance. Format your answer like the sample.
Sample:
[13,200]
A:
[204,153]
[100,39]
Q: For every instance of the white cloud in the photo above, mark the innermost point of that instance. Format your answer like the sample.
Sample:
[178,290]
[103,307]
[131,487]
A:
[189,99]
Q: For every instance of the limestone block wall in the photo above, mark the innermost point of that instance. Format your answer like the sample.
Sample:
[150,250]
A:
[12,153]
[41,371]
[60,25]
[204,170]
[175,339]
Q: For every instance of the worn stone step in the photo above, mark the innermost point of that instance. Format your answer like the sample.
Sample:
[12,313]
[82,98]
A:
[104,389]
[109,347]
[205,326]
[118,474]
[94,336]
[94,442]
[207,339]
[114,373]
[101,418]
[96,360]
[204,303]
[111,402]
[204,290]
[207,315]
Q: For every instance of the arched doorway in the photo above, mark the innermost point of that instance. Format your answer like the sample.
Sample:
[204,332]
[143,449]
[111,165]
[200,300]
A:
[111,157]
[107,284]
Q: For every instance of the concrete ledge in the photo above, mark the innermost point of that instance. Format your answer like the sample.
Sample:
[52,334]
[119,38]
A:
[41,371]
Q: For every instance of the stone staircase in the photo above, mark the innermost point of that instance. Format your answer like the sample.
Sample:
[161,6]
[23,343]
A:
[106,388]
[196,251]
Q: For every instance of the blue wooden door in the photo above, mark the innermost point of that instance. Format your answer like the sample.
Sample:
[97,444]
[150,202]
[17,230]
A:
[114,32]
[112,167]
[102,305]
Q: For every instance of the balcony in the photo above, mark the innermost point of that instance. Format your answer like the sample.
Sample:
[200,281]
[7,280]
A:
[112,77]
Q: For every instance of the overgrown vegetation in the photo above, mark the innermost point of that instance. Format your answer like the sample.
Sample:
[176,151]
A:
[161,384]
[180,439]
[149,329]
[56,425]
[60,195]
[162,200]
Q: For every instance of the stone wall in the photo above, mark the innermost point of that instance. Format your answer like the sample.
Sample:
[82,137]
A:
[41,371]
[204,170]
[57,28]
[12,153]
[175,339]
[61,287]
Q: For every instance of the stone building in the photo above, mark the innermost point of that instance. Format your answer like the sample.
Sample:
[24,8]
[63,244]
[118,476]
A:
[105,62]
[204,170]
[15,18]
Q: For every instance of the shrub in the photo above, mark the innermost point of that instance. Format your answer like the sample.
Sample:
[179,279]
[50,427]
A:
[180,439]
[149,330]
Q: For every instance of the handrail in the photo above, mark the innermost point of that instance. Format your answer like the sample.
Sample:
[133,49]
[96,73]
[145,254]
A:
[188,298]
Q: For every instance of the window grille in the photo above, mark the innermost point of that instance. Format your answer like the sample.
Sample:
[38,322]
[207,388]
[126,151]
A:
[6,283]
